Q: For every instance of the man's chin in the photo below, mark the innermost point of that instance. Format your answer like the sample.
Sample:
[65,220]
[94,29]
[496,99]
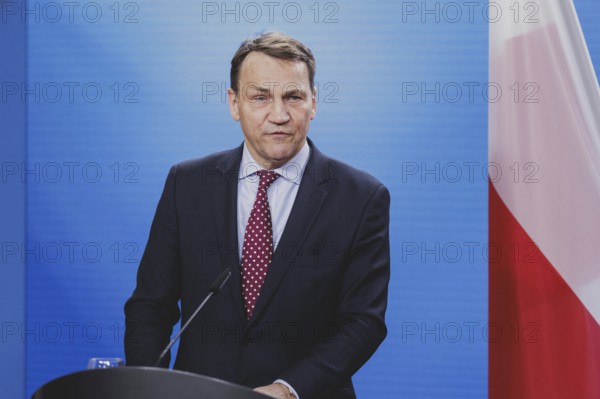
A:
[279,158]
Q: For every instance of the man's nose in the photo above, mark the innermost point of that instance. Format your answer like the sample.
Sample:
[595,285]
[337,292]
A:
[278,112]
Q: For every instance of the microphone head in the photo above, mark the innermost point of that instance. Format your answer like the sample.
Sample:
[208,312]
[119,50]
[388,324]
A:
[220,281]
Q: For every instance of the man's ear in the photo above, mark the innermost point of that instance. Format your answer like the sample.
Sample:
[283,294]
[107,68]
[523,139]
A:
[314,104]
[232,99]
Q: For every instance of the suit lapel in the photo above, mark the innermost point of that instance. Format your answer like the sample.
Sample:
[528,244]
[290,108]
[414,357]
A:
[224,201]
[304,213]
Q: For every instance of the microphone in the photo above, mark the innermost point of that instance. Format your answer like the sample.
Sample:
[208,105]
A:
[213,290]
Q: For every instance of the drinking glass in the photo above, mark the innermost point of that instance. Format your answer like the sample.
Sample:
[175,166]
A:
[104,362]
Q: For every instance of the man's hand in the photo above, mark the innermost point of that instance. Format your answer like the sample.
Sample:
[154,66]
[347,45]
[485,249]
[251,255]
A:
[278,391]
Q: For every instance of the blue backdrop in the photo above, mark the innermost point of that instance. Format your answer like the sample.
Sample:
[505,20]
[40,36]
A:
[116,92]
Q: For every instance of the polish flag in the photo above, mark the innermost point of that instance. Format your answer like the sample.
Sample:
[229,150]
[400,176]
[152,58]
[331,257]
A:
[544,205]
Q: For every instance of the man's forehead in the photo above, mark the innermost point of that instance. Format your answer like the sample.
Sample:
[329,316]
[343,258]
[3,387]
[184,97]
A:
[264,69]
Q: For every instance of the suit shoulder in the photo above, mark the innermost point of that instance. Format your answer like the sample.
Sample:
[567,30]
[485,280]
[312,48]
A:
[206,169]
[339,171]
[216,160]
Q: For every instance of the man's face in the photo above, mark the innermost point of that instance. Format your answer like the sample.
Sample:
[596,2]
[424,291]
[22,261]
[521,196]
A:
[274,106]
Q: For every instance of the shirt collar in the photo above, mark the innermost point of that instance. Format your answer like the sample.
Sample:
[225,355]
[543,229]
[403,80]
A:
[291,171]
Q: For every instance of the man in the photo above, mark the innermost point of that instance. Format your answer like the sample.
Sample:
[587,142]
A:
[306,237]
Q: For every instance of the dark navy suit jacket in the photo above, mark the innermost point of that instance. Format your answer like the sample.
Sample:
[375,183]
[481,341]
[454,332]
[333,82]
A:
[320,313]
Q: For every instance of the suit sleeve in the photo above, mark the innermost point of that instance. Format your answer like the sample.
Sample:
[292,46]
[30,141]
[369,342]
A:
[360,324]
[153,308]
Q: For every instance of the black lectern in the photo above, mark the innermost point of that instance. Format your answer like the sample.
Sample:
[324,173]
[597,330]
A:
[141,383]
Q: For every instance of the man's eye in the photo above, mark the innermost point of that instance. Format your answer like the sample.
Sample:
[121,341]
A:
[260,98]
[294,98]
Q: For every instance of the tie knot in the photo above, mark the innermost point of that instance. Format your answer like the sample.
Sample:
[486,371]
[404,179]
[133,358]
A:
[267,177]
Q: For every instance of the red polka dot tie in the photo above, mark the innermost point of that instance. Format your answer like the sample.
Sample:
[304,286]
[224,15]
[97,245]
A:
[257,250]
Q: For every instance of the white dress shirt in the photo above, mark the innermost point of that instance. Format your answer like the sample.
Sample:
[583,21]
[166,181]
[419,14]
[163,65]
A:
[281,195]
